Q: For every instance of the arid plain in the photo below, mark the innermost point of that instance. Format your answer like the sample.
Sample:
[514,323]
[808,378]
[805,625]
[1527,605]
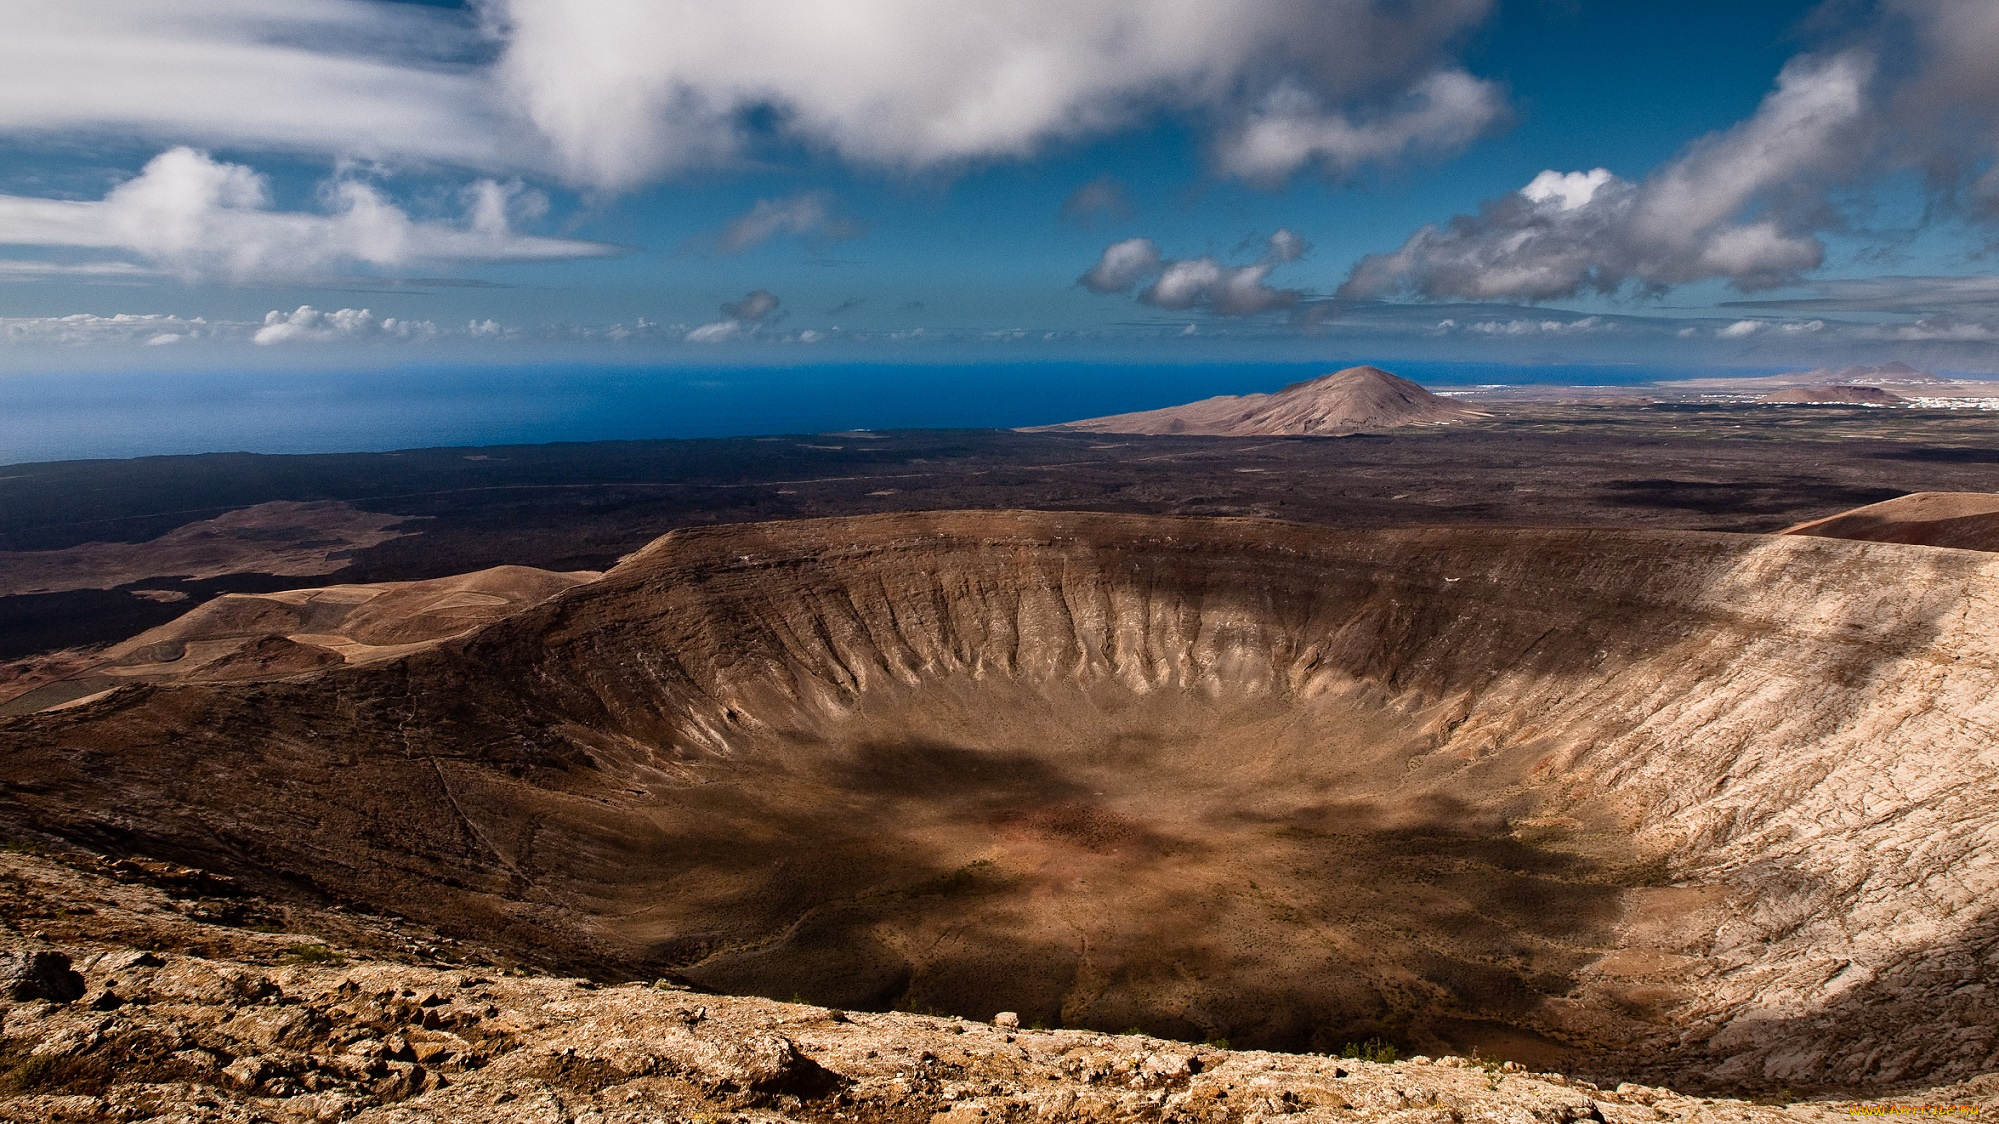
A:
[1525,737]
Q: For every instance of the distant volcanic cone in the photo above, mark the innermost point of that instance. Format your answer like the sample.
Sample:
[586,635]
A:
[1350,401]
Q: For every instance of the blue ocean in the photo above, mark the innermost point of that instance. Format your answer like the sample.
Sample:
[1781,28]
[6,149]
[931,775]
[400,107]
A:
[71,416]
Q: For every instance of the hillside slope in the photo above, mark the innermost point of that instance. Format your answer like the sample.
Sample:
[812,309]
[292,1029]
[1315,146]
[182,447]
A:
[1964,520]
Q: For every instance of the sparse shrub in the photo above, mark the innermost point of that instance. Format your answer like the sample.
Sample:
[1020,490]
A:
[1132,1030]
[1378,1050]
[1494,1074]
[1218,1042]
[313,954]
[31,1074]
[22,847]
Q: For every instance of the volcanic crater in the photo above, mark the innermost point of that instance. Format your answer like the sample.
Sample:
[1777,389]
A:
[1698,806]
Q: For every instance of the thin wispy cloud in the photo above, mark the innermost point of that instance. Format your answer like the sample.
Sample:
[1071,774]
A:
[302,325]
[1890,294]
[1293,128]
[337,77]
[808,214]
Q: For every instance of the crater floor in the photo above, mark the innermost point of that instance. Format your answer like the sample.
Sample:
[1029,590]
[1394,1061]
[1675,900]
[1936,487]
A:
[1702,806]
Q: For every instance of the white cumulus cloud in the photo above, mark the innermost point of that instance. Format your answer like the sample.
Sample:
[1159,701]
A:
[1203,283]
[1122,265]
[1524,327]
[83,328]
[306,324]
[1715,211]
[612,94]
[627,90]
[1904,86]
[1743,329]
[189,214]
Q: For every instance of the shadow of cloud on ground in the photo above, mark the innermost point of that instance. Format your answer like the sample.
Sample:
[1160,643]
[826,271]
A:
[1737,498]
[1939,455]
[965,881]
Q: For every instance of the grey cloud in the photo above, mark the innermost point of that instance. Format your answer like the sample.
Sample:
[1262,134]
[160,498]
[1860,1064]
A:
[756,306]
[742,318]
[1941,113]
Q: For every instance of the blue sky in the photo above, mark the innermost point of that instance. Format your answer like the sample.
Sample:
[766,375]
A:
[365,182]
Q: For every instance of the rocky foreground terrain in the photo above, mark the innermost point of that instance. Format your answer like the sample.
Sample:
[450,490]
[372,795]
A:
[139,990]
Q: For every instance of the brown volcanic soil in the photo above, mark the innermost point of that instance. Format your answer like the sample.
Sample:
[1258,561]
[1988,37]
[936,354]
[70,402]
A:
[1708,805]
[1354,400]
[1834,396]
[281,537]
[1965,520]
[267,635]
[1728,467]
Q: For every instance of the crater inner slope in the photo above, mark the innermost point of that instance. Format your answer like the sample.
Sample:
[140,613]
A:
[1713,806]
